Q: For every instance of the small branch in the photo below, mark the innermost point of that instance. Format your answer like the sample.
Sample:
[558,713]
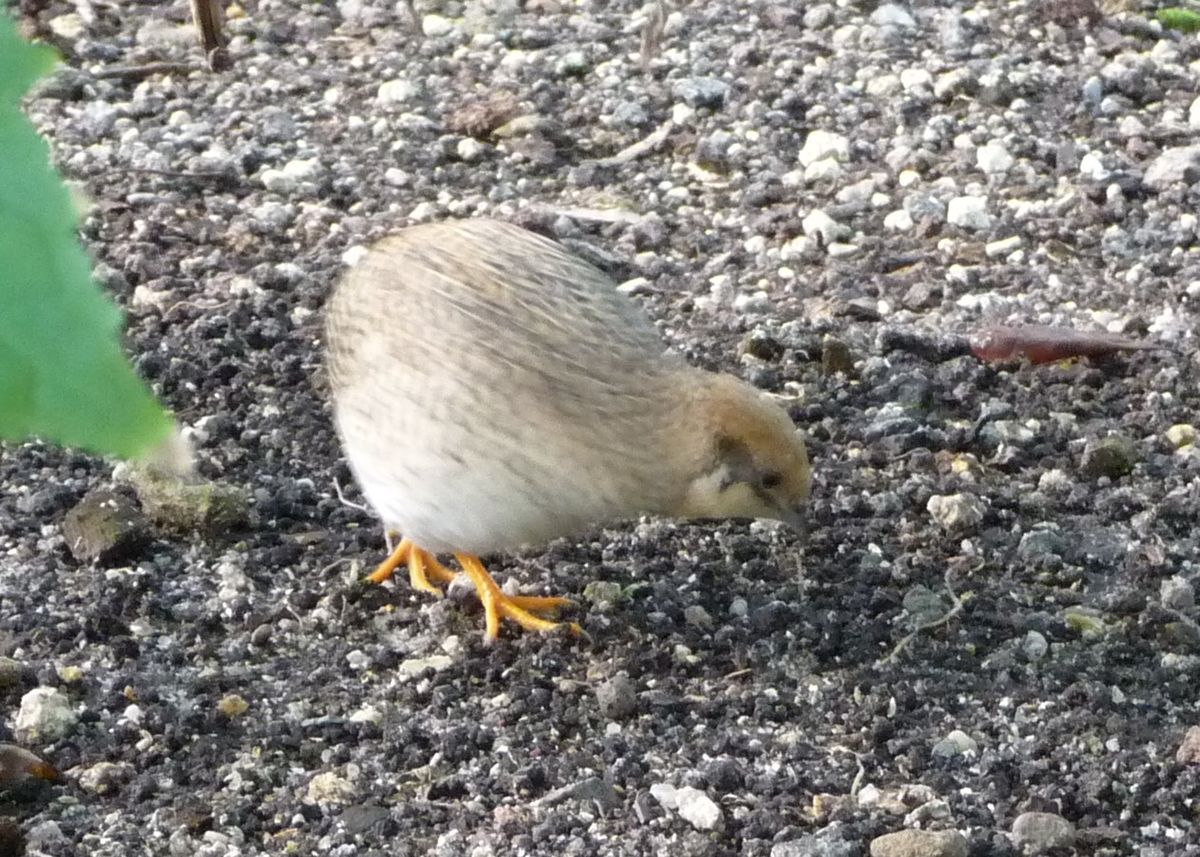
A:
[140,72]
[955,609]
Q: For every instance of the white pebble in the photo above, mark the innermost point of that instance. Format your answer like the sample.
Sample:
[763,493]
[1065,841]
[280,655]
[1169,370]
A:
[824,144]
[969,212]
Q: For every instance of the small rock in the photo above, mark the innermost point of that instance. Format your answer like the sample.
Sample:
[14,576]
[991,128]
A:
[954,511]
[469,149]
[593,789]
[920,843]
[1177,593]
[698,617]
[617,697]
[898,221]
[45,715]
[1035,646]
[829,842]
[1003,247]
[892,15]
[1113,456]
[329,789]
[208,508]
[392,92]
[957,743]
[1039,832]
[916,80]
[1041,542]
[296,174]
[12,673]
[1180,164]
[1189,748]
[701,91]
[573,64]
[836,356]
[413,667]
[821,144]
[105,526]
[698,809]
[819,225]
[105,777]
[969,212]
[1181,435]
[993,159]
[434,26]
[232,705]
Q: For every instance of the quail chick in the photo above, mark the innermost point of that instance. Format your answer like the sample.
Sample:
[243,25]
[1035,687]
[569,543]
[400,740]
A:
[492,390]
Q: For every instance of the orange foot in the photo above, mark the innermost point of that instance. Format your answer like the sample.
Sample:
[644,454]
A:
[420,565]
[519,608]
[496,604]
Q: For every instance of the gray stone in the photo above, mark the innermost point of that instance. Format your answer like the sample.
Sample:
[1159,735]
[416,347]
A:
[701,91]
[1112,456]
[1039,832]
[45,715]
[698,809]
[920,843]
[617,697]
[1180,164]
[105,527]
[208,508]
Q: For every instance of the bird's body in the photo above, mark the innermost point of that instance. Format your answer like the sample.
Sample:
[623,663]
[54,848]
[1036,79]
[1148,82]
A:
[492,391]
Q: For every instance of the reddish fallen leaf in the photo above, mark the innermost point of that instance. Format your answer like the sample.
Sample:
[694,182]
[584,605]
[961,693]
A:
[1042,343]
[17,763]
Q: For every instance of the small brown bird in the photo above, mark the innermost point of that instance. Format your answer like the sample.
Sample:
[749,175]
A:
[492,391]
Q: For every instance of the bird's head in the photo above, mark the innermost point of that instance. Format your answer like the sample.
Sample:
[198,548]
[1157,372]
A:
[746,458]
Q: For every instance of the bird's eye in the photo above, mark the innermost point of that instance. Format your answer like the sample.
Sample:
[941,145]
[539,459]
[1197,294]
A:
[772,479]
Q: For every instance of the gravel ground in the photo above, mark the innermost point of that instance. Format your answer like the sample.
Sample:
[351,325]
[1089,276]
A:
[821,198]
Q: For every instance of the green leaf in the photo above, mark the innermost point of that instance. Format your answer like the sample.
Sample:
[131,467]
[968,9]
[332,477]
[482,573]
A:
[1179,19]
[63,375]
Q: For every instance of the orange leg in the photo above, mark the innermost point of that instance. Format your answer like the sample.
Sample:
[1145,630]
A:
[519,608]
[420,565]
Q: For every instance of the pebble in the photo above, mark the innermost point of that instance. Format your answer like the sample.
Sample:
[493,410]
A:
[1003,247]
[1040,832]
[106,527]
[1113,456]
[296,175]
[1177,593]
[330,789]
[956,743]
[393,92]
[700,92]
[920,843]
[993,159]
[45,715]
[698,809]
[1174,166]
[969,212]
[1189,748]
[414,667]
[1035,645]
[1181,435]
[1194,114]
[956,511]
[898,221]
[617,697]
[893,15]
[434,26]
[820,144]
[105,777]
[819,225]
